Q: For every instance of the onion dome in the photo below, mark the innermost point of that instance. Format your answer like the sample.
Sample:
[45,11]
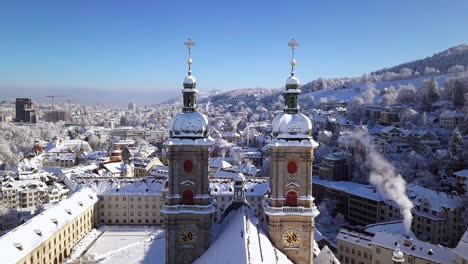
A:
[291,124]
[190,123]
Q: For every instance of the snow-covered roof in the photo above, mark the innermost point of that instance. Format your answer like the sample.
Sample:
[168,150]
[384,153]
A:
[145,186]
[190,125]
[291,126]
[221,187]
[257,187]
[462,247]
[362,190]
[452,114]
[355,236]
[115,167]
[241,241]
[462,173]
[24,185]
[417,248]
[393,227]
[438,200]
[220,163]
[325,256]
[27,235]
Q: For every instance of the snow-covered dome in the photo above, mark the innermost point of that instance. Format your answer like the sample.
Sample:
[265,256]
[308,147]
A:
[189,125]
[292,82]
[291,126]
[190,82]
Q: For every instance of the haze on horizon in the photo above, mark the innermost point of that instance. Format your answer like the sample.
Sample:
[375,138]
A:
[114,52]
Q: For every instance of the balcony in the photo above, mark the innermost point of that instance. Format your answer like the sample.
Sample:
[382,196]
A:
[184,208]
[289,210]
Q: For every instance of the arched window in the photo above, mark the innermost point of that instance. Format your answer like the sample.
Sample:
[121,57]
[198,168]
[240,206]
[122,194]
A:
[291,198]
[188,165]
[187,197]
[292,167]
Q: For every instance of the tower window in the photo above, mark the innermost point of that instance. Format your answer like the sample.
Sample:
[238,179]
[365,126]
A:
[291,198]
[187,197]
[292,167]
[188,165]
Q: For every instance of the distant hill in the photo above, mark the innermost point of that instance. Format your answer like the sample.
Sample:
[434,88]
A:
[343,89]
[441,61]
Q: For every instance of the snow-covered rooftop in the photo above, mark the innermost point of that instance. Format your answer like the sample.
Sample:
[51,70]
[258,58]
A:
[362,190]
[424,250]
[462,247]
[145,186]
[27,235]
[241,241]
[438,200]
[462,173]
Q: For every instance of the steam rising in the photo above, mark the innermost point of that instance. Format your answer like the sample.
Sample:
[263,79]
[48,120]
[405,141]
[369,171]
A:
[385,179]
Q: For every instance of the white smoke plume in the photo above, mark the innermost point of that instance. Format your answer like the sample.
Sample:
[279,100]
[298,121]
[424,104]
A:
[383,175]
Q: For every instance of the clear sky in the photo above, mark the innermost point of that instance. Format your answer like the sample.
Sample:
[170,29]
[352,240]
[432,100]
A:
[119,51]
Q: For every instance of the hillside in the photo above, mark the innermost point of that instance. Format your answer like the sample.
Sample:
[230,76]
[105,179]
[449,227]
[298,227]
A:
[345,88]
[441,61]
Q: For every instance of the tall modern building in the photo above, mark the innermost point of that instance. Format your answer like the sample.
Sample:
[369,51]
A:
[25,111]
[131,107]
[188,208]
[290,208]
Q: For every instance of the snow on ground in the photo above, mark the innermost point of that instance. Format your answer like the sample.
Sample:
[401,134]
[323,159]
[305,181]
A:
[84,244]
[127,245]
[352,91]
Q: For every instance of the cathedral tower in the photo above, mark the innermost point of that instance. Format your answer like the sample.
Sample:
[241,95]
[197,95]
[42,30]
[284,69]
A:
[290,208]
[188,208]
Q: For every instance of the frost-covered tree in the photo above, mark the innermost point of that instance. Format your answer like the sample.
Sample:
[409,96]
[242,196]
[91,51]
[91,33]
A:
[390,97]
[459,93]
[355,109]
[329,221]
[406,94]
[408,116]
[456,69]
[430,93]
[431,71]
[94,142]
[456,152]
[369,93]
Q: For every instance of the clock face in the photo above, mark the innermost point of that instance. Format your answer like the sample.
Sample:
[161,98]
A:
[187,236]
[291,238]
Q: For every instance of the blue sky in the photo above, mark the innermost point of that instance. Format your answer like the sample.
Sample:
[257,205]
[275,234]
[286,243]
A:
[124,51]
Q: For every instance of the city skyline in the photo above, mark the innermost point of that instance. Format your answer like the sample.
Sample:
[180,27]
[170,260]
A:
[120,52]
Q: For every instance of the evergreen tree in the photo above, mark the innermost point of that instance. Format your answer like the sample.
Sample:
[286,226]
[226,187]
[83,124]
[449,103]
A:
[431,94]
[457,153]
[459,93]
